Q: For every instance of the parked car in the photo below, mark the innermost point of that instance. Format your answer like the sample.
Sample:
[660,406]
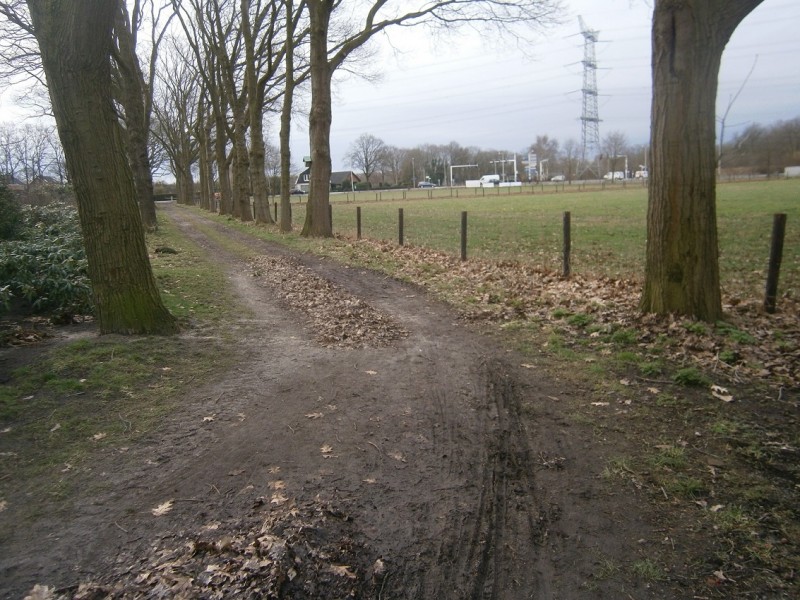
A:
[557,178]
[614,175]
[298,191]
[641,175]
[426,184]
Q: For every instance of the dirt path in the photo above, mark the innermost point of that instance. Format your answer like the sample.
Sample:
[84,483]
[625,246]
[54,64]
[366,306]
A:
[433,467]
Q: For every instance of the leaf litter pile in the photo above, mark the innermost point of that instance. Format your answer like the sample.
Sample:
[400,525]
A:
[337,317]
[287,551]
[598,313]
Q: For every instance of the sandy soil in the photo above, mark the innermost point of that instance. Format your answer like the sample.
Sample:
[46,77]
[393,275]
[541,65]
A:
[429,464]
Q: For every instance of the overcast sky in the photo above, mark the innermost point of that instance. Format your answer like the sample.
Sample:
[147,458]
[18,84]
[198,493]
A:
[477,94]
[468,92]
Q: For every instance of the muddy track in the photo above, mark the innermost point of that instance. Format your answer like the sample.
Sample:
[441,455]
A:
[437,455]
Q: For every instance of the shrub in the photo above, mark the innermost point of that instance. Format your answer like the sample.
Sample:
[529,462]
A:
[45,271]
[691,376]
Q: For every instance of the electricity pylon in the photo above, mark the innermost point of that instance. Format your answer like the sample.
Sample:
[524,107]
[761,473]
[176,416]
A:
[590,118]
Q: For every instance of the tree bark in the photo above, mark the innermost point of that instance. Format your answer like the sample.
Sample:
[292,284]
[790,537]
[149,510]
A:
[286,122]
[682,261]
[255,110]
[317,222]
[133,98]
[75,41]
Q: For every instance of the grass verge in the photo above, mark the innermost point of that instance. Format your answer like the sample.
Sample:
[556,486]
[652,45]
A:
[88,393]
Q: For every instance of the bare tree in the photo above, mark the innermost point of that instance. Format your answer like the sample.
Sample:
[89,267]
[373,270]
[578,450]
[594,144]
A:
[75,43]
[615,148]
[328,54]
[175,106]
[393,159]
[9,157]
[682,262]
[570,153]
[366,153]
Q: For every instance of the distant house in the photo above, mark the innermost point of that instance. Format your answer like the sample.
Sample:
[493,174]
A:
[341,181]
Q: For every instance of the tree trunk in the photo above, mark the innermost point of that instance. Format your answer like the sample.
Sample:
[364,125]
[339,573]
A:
[241,162]
[223,167]
[255,109]
[317,222]
[286,123]
[75,44]
[682,263]
[133,100]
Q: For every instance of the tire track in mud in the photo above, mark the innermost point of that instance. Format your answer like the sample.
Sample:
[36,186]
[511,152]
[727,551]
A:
[492,542]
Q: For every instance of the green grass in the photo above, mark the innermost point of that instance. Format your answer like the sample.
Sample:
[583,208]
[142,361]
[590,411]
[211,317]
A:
[93,392]
[608,227]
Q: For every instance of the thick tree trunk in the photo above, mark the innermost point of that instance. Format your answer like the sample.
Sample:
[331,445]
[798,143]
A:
[258,175]
[317,222]
[255,109]
[75,44]
[682,264]
[241,162]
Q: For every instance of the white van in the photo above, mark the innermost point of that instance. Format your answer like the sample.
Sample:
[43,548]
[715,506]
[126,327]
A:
[614,175]
[490,180]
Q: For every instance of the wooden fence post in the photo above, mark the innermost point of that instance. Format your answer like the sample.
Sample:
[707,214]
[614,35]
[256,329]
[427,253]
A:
[463,235]
[358,222]
[567,244]
[775,257]
[400,225]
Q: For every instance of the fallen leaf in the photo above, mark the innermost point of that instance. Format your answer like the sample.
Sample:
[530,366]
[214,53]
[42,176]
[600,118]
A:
[625,381]
[273,470]
[41,592]
[277,485]
[326,449]
[721,393]
[162,509]
[343,570]
[278,499]
[99,436]
[599,403]
[527,366]
[398,456]
[208,419]
[653,390]
[370,480]
[6,430]
[235,472]
[3,505]
[717,507]
[721,576]
[315,415]
[55,427]
[371,372]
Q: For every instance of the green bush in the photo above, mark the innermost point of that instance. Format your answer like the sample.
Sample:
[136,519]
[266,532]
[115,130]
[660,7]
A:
[45,270]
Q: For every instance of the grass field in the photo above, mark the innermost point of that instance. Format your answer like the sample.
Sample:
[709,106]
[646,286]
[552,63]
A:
[608,226]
